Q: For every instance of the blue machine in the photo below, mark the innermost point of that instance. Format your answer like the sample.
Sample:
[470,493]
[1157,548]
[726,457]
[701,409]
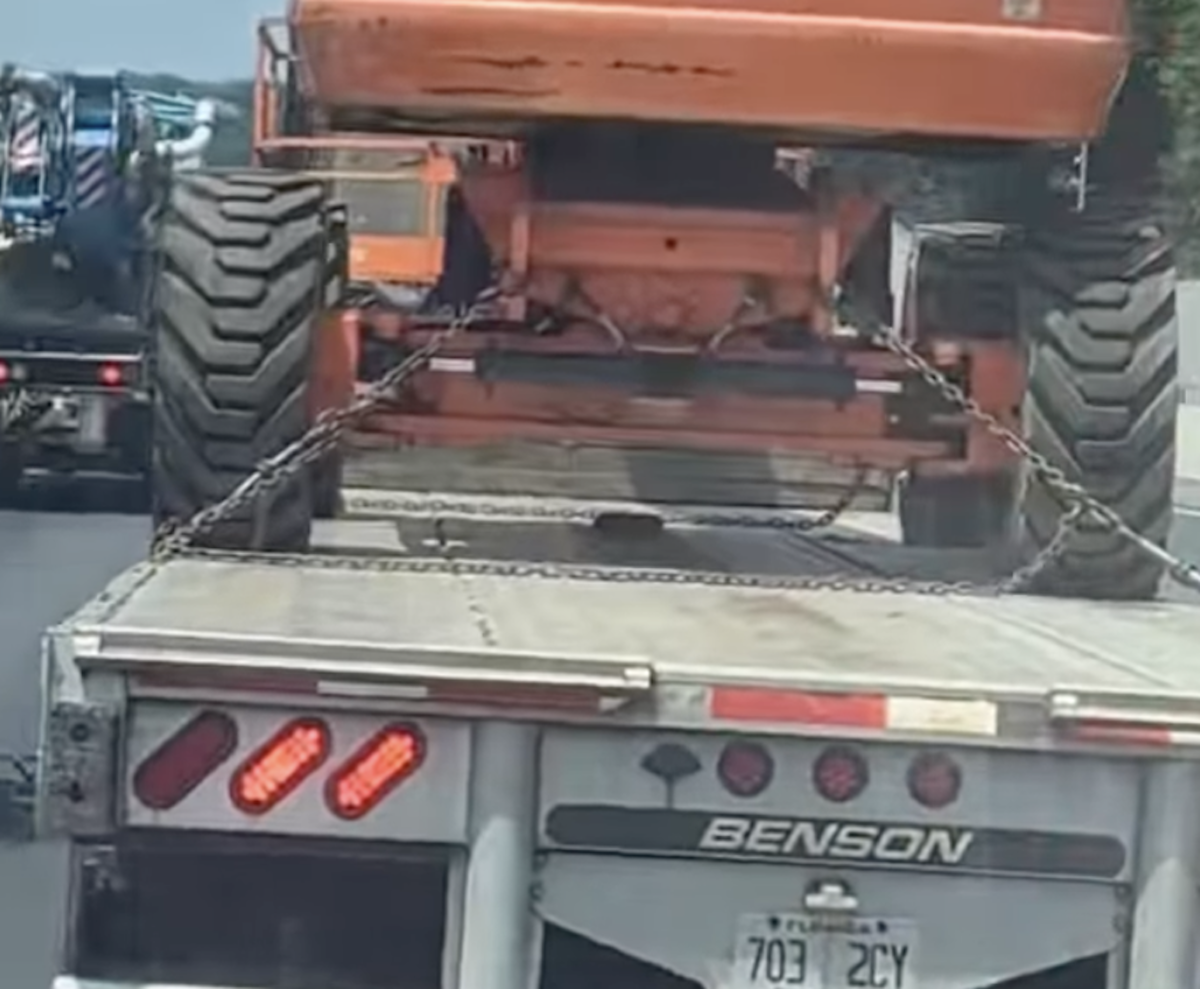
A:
[71,140]
[84,161]
[80,156]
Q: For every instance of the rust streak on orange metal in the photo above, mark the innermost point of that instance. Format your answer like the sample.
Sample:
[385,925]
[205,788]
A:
[335,362]
[997,383]
[847,65]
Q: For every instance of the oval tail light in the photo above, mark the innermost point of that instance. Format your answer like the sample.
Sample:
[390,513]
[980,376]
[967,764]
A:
[280,765]
[181,763]
[377,767]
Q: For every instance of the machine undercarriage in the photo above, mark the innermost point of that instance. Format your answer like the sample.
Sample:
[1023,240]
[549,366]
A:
[640,302]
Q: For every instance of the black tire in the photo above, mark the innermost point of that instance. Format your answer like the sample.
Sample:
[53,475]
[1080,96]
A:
[1099,313]
[327,486]
[953,512]
[239,285]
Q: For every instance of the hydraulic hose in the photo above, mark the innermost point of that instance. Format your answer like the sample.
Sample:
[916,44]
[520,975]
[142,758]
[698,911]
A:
[188,153]
[42,86]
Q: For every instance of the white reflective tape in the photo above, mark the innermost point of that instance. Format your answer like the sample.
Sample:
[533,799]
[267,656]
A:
[453,365]
[381,691]
[72,982]
[874,386]
[942,715]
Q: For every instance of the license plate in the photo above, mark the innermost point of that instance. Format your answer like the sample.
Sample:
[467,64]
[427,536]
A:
[798,951]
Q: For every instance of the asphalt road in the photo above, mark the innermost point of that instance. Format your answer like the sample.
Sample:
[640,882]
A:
[50,563]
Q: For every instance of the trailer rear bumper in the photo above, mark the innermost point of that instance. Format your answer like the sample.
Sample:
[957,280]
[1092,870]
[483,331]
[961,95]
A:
[531,819]
[80,434]
[1021,77]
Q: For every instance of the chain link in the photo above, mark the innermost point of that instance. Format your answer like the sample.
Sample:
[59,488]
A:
[1080,507]
[173,539]
[403,505]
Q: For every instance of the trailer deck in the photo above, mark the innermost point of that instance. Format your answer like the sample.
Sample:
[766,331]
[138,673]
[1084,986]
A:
[584,690]
[699,606]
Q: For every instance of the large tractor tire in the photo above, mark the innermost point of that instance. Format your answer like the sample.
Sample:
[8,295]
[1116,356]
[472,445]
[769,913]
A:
[240,283]
[1096,323]
[1102,394]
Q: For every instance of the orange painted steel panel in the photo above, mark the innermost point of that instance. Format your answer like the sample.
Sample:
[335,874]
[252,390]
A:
[943,67]
[387,258]
[658,267]
[384,430]
[998,385]
[334,368]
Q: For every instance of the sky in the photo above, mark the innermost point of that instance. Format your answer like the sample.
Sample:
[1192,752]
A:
[211,40]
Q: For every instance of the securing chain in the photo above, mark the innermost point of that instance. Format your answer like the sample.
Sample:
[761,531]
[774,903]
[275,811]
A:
[404,505]
[1081,508]
[255,490]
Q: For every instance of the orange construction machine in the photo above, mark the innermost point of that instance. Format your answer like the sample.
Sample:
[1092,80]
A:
[650,252]
[392,189]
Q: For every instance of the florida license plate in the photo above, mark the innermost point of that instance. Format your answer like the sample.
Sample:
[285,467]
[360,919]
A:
[799,951]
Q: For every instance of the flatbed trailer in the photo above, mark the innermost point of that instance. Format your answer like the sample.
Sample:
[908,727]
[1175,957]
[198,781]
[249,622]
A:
[460,747]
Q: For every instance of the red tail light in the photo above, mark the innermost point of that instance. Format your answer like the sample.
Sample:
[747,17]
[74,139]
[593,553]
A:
[183,761]
[380,765]
[285,761]
[745,769]
[5,373]
[111,375]
[934,780]
[840,774]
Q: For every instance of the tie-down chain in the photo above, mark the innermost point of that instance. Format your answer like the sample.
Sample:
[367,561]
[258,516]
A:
[1081,508]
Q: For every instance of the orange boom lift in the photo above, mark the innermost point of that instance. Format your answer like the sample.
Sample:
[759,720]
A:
[661,235]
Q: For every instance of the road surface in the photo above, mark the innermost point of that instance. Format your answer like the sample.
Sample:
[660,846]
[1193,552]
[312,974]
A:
[49,564]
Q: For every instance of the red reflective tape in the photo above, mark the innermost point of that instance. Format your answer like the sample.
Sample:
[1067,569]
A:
[1125,734]
[805,707]
[255,681]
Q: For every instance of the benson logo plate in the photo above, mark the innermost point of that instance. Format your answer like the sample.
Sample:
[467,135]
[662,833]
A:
[601,827]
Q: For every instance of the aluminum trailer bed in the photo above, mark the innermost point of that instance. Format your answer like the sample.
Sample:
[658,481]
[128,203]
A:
[548,673]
